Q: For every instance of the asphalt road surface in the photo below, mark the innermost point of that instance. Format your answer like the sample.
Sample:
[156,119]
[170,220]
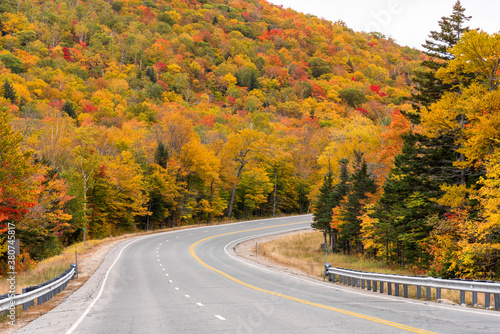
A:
[190,281]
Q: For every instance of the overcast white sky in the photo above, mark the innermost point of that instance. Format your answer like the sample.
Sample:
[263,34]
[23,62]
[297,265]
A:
[408,22]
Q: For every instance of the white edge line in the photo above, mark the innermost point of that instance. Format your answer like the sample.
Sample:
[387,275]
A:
[78,322]
[340,287]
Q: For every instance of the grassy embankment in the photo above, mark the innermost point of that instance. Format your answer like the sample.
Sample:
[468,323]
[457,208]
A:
[302,251]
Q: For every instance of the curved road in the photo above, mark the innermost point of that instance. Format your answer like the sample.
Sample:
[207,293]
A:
[190,281]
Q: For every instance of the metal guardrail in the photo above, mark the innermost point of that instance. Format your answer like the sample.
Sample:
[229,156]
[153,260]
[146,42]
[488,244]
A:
[375,281]
[42,292]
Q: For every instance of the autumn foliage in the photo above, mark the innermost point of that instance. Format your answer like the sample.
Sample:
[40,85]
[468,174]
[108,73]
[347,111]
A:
[123,116]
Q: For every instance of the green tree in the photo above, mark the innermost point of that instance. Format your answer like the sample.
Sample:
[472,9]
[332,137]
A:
[69,109]
[319,67]
[428,88]
[407,200]
[353,96]
[361,184]
[323,207]
[8,91]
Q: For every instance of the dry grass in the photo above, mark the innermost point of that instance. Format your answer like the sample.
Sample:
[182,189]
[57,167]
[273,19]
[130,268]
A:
[302,251]
[52,267]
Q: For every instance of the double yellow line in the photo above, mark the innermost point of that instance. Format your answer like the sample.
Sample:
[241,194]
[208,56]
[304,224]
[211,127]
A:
[303,301]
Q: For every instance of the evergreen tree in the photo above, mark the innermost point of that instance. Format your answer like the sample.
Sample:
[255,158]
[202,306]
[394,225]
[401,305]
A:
[428,88]
[361,184]
[69,109]
[151,74]
[340,190]
[8,92]
[407,200]
[323,207]
[161,155]
[253,83]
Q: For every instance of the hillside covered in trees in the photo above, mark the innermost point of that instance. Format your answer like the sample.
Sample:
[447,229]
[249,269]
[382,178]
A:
[125,115]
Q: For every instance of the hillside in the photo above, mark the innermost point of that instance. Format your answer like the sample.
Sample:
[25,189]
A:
[140,114]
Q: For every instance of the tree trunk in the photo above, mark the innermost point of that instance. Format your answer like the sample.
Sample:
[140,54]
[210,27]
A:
[275,186]
[211,201]
[233,193]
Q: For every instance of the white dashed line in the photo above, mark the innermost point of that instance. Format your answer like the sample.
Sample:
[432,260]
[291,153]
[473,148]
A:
[187,296]
[163,269]
[171,281]
[176,288]
[177,237]
[166,274]
[219,317]
[161,265]
[199,304]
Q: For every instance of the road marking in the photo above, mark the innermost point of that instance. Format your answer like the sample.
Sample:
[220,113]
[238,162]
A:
[200,304]
[171,281]
[187,296]
[176,288]
[165,274]
[161,265]
[177,237]
[163,269]
[77,323]
[302,301]
[219,317]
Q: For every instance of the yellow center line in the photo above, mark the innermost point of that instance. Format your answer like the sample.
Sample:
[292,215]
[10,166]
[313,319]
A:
[303,301]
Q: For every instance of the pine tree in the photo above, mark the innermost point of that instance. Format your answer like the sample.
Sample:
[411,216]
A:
[161,155]
[8,92]
[323,207]
[252,82]
[340,190]
[407,200]
[361,184]
[151,74]
[69,109]
[428,88]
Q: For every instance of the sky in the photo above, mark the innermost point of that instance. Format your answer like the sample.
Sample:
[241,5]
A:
[408,22]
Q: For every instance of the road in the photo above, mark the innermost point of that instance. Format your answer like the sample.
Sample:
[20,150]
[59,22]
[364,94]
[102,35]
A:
[190,281]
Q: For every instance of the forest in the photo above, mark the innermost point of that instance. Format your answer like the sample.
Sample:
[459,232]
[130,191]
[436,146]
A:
[118,116]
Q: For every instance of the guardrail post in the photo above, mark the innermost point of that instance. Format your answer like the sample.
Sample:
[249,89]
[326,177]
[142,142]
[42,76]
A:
[381,287]
[474,298]
[497,302]
[487,300]
[375,283]
[419,292]
[389,288]
[405,290]
[427,293]
[349,281]
[438,293]
[396,289]
[25,305]
[369,285]
[462,297]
